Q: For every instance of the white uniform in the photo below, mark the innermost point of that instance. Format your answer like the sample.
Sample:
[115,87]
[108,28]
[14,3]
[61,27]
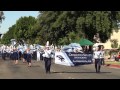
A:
[102,54]
[97,54]
[47,53]
[38,55]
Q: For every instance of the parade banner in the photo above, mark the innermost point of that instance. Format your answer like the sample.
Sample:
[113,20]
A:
[72,58]
[62,59]
[80,58]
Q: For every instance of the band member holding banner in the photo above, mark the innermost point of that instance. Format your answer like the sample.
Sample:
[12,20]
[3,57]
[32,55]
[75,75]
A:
[97,55]
[47,59]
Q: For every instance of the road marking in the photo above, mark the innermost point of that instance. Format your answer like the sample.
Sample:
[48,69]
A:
[70,78]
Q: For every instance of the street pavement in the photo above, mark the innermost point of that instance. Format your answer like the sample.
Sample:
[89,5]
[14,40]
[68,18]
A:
[21,71]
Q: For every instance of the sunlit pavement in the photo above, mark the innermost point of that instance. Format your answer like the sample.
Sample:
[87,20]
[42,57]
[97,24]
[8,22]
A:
[21,71]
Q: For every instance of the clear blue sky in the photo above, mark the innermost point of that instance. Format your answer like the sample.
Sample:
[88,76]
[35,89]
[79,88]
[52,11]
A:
[12,16]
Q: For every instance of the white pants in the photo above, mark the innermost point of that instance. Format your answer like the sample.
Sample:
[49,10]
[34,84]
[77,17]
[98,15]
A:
[38,56]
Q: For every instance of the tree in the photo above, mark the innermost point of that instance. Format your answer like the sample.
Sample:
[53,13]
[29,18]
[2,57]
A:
[54,25]
[24,28]
[8,35]
[114,43]
[2,17]
[46,30]
[102,22]
[64,27]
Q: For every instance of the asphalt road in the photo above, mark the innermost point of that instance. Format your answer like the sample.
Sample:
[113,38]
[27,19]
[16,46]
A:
[21,71]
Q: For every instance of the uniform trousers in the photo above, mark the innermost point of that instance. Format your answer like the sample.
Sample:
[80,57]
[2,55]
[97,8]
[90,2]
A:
[47,64]
[97,65]
[3,56]
[102,61]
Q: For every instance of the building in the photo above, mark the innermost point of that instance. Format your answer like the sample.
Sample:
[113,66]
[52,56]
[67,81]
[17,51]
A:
[114,36]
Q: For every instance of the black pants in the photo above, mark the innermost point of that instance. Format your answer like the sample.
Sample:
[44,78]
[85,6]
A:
[97,65]
[47,64]
[102,61]
[4,56]
[41,57]
[116,59]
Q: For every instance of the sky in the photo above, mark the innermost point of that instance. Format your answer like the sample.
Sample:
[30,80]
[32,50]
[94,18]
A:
[12,16]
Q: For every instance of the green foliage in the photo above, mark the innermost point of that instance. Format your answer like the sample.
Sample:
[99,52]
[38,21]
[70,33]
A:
[24,27]
[114,43]
[64,27]
[119,47]
[2,17]
[21,30]
[63,41]
[8,36]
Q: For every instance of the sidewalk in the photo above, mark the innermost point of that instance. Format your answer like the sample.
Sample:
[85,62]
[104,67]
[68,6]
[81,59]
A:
[112,64]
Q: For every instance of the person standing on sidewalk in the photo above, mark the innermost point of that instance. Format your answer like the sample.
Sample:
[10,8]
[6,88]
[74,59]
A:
[102,55]
[97,55]
[47,58]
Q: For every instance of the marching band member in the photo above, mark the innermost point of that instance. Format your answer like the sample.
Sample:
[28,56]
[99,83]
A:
[38,55]
[97,55]
[15,56]
[47,59]
[29,57]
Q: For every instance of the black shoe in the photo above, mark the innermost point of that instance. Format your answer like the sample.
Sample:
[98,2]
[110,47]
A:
[96,71]
[99,71]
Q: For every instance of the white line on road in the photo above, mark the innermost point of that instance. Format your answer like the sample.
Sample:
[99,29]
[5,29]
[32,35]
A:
[70,78]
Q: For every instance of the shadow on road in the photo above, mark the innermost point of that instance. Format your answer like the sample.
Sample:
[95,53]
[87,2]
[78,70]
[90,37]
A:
[35,66]
[78,72]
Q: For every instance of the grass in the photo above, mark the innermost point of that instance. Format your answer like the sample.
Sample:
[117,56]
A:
[112,62]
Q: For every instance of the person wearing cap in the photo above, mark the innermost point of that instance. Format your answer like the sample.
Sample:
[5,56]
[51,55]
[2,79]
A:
[58,49]
[47,59]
